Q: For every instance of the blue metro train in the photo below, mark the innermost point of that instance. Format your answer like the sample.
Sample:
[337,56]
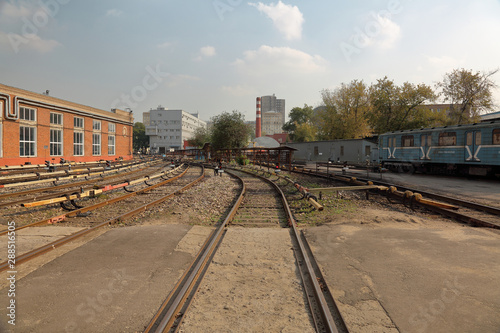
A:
[472,149]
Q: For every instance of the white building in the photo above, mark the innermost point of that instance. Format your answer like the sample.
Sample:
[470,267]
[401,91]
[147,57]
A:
[273,115]
[272,122]
[168,129]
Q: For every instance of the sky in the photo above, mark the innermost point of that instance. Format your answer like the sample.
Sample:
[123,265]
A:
[211,56]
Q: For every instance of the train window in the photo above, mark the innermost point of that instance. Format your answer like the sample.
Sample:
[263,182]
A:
[496,136]
[425,140]
[478,138]
[469,139]
[447,139]
[391,142]
[407,141]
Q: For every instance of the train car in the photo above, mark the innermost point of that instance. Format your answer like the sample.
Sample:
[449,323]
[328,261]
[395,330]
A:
[472,149]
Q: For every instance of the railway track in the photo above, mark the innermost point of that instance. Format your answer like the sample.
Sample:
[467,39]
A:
[112,210]
[17,178]
[461,210]
[46,193]
[261,203]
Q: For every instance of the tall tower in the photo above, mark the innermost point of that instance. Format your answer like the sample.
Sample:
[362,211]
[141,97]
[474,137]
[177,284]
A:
[258,120]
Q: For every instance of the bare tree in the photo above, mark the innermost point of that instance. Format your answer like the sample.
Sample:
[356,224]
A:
[469,94]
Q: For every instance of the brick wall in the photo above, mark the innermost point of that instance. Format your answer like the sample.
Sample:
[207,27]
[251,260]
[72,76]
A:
[44,105]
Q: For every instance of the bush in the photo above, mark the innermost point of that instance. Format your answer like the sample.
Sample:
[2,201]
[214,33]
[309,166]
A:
[242,160]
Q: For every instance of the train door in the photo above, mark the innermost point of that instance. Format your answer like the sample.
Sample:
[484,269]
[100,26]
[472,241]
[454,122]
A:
[425,146]
[472,146]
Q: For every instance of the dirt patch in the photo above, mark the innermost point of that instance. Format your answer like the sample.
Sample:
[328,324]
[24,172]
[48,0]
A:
[204,204]
[252,285]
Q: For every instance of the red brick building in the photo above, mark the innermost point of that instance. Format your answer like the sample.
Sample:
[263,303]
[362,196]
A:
[35,128]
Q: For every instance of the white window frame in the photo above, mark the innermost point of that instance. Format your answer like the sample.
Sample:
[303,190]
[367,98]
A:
[31,142]
[96,144]
[56,142]
[111,128]
[78,146]
[111,145]
[31,112]
[56,118]
[76,120]
[96,125]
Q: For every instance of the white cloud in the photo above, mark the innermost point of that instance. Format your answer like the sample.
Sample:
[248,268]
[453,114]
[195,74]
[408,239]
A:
[165,45]
[445,62]
[30,42]
[8,10]
[379,31]
[175,80]
[239,90]
[390,32]
[205,52]
[278,60]
[114,12]
[286,18]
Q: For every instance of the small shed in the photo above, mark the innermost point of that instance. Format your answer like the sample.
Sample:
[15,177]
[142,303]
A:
[352,151]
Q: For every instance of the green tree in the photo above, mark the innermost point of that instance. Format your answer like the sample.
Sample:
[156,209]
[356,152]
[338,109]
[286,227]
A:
[140,139]
[469,94]
[343,115]
[201,136]
[297,117]
[394,108]
[305,132]
[229,130]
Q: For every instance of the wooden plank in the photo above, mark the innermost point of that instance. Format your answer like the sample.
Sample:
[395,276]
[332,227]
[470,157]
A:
[347,188]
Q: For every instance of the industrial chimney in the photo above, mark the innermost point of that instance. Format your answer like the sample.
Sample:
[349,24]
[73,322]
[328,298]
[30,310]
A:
[258,127]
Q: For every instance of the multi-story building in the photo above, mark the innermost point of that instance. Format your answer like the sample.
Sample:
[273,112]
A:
[273,114]
[145,118]
[168,129]
[272,122]
[35,128]
[271,103]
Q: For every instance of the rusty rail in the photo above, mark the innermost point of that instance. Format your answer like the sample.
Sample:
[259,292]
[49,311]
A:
[172,310]
[51,246]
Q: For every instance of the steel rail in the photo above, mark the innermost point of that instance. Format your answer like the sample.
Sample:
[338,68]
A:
[455,201]
[309,277]
[53,245]
[169,312]
[425,203]
[54,180]
[104,180]
[9,180]
[75,212]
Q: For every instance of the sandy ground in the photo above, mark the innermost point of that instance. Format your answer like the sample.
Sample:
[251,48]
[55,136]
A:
[390,270]
[32,238]
[427,274]
[485,191]
[252,285]
[114,283]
